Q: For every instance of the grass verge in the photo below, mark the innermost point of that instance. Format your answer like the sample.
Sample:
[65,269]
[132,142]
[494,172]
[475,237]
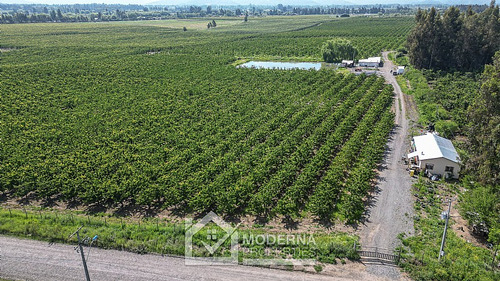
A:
[462,260]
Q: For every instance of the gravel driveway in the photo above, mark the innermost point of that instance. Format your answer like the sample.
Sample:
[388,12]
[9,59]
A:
[391,210]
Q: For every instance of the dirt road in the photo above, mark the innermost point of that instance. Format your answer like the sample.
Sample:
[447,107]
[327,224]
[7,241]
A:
[391,212]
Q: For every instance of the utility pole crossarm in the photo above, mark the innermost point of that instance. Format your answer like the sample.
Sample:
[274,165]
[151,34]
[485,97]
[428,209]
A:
[77,232]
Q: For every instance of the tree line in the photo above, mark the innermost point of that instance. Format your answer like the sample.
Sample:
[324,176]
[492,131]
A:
[33,13]
[481,201]
[455,40]
[59,16]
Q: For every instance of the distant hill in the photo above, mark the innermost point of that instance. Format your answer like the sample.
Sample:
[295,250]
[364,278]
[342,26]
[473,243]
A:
[466,2]
[16,2]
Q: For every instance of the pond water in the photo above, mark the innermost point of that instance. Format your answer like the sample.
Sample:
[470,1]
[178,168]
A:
[282,65]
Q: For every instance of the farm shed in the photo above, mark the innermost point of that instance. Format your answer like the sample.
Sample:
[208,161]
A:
[371,62]
[435,155]
[347,63]
[401,70]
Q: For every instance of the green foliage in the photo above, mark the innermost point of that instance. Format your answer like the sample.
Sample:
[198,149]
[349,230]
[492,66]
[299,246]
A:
[462,260]
[133,114]
[447,127]
[484,128]
[336,50]
[494,237]
[318,268]
[479,205]
[446,103]
[160,236]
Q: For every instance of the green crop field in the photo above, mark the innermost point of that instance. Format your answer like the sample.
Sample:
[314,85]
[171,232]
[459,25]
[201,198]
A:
[144,113]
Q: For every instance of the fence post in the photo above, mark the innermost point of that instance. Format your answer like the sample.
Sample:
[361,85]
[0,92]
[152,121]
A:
[25,213]
[399,254]
[10,213]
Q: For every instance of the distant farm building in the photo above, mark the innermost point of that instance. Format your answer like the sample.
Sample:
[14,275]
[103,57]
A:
[347,63]
[371,62]
[435,155]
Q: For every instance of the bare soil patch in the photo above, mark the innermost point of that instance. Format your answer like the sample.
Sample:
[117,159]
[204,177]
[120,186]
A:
[408,85]
[411,108]
[278,224]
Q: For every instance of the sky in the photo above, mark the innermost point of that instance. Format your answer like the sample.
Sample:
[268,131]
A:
[272,2]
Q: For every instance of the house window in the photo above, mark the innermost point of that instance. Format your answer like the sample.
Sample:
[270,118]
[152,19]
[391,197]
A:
[429,166]
[448,169]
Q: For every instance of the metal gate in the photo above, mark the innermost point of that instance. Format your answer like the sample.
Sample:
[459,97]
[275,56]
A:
[378,255]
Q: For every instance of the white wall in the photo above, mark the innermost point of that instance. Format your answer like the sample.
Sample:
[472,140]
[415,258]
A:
[439,166]
[369,64]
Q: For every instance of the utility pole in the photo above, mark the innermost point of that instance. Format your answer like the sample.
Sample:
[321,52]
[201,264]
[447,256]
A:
[447,217]
[77,232]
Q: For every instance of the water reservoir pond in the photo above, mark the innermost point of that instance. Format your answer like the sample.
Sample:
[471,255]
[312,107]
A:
[282,65]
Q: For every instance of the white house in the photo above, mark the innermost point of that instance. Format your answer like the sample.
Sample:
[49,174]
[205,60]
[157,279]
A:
[435,155]
[401,70]
[371,62]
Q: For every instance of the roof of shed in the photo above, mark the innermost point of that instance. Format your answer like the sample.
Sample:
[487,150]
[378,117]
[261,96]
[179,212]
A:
[371,59]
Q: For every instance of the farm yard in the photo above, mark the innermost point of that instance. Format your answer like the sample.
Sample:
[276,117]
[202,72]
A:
[119,114]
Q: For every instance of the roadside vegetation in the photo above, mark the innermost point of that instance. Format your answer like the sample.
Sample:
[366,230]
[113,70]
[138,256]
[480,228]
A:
[161,236]
[443,99]
[462,260]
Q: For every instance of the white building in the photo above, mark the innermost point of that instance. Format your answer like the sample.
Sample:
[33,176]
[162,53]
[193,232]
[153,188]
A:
[347,63]
[435,155]
[371,62]
[401,70]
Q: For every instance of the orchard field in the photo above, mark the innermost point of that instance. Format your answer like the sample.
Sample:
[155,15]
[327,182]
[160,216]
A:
[144,113]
